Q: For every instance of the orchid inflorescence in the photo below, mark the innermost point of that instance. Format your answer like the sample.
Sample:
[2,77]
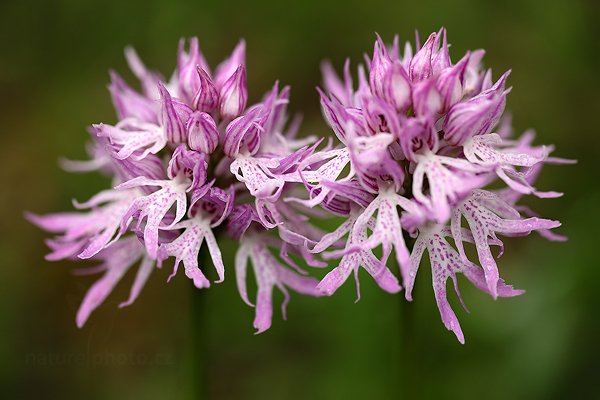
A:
[418,141]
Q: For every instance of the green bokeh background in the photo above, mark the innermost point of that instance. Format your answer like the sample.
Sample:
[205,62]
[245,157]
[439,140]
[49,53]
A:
[54,58]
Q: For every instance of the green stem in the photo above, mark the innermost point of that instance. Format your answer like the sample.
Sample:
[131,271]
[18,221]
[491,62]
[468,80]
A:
[408,357]
[199,344]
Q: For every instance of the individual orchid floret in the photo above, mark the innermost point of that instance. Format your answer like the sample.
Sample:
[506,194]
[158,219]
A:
[427,100]
[240,219]
[377,116]
[451,82]
[269,273]
[154,207]
[440,56]
[341,90]
[511,197]
[504,156]
[117,260]
[378,70]
[186,248]
[386,231]
[229,66]
[398,90]
[138,139]
[174,117]
[261,128]
[249,142]
[148,79]
[206,98]
[484,213]
[420,65]
[477,115]
[188,164]
[234,94]
[330,165]
[353,260]
[189,66]
[86,233]
[449,180]
[337,116]
[255,173]
[242,134]
[373,163]
[130,104]
[133,138]
[212,203]
[151,166]
[445,264]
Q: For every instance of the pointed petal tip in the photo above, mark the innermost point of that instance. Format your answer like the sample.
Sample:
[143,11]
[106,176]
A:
[261,327]
[84,255]
[125,303]
[50,257]
[164,93]
[81,318]
[33,218]
[325,290]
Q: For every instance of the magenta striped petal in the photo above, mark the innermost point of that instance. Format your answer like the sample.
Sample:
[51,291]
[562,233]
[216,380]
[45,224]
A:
[172,122]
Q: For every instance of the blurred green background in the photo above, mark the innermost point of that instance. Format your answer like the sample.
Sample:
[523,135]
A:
[54,58]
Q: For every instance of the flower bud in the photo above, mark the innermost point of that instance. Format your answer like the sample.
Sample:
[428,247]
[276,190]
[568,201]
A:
[188,79]
[420,65]
[129,103]
[380,64]
[440,57]
[380,116]
[417,136]
[234,94]
[173,117]
[228,67]
[337,116]
[397,87]
[202,131]
[190,163]
[206,97]
[450,83]
[476,116]
[426,99]
[237,130]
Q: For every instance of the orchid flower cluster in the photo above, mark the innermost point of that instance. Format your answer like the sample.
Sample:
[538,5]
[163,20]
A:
[418,141]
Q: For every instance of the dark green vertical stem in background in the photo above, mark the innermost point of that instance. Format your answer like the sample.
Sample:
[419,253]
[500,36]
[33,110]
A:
[408,354]
[199,348]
